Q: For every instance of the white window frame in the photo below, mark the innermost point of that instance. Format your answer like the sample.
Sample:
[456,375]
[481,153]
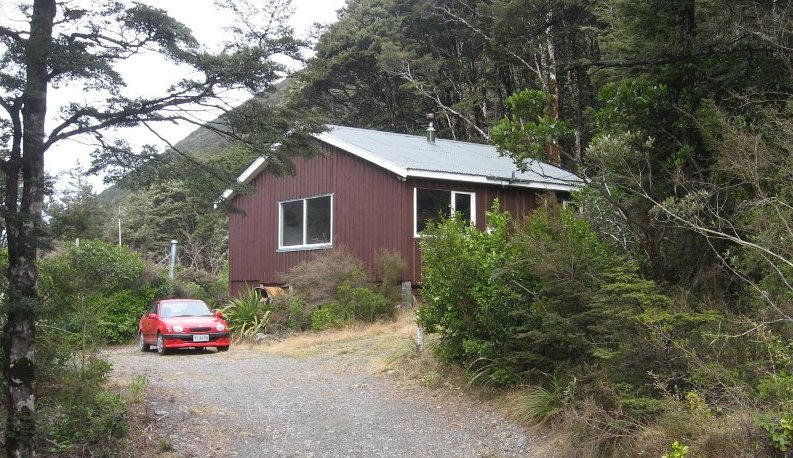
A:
[452,204]
[304,246]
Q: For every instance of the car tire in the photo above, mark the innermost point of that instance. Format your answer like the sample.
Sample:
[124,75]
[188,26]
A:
[161,345]
[223,348]
[142,345]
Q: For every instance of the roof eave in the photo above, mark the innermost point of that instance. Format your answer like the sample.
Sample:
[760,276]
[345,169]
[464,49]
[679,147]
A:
[245,177]
[489,180]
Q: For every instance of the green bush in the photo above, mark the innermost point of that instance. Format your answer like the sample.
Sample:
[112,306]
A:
[330,316]
[351,304]
[390,266]
[468,297]
[119,313]
[79,416]
[544,297]
[99,289]
[200,284]
[247,314]
[332,289]
[779,430]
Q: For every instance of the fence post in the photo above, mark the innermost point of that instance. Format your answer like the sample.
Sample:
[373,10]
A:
[172,260]
[407,294]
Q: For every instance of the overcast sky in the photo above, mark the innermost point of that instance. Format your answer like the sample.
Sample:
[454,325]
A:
[152,76]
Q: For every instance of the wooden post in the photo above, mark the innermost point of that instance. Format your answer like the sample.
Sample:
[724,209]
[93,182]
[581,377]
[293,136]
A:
[420,338]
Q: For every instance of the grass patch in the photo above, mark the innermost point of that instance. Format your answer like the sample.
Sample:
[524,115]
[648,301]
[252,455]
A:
[371,344]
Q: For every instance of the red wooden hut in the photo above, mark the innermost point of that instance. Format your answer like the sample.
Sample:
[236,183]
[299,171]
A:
[372,190]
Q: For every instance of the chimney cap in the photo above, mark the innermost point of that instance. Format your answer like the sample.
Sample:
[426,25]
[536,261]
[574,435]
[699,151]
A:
[431,133]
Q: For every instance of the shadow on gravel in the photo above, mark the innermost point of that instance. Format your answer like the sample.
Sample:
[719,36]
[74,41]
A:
[185,351]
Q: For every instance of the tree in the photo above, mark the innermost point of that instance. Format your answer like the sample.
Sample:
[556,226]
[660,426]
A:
[76,212]
[346,81]
[80,46]
[174,210]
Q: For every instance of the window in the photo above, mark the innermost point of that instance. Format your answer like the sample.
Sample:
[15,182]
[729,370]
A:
[432,205]
[305,223]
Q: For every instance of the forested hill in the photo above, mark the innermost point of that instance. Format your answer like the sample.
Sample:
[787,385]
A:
[204,143]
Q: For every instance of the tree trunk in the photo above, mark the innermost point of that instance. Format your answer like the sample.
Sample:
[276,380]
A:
[24,224]
[554,151]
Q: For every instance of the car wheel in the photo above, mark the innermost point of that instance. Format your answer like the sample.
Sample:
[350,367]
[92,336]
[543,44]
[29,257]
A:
[161,345]
[223,348]
[142,343]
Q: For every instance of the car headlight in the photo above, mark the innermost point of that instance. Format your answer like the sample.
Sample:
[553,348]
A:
[220,327]
[177,328]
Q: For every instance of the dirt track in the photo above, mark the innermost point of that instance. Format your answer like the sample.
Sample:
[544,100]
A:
[249,403]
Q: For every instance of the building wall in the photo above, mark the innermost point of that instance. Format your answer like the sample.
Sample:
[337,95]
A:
[369,212]
[372,209]
[519,202]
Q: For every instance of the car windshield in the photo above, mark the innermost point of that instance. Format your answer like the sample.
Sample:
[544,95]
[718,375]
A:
[173,309]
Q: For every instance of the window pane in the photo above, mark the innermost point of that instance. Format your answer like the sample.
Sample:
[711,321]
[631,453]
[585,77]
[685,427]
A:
[318,220]
[292,223]
[431,205]
[462,205]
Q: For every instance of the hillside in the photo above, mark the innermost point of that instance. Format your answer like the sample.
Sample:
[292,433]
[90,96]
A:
[202,142]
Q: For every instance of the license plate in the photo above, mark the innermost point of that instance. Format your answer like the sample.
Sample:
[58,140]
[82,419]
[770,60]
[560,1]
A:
[200,338]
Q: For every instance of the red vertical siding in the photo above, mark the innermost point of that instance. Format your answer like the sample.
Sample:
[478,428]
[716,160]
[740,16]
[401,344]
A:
[368,214]
[517,201]
[372,209]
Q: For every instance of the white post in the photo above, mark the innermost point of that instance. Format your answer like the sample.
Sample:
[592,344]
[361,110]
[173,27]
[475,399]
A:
[407,294]
[172,260]
[420,338]
[119,225]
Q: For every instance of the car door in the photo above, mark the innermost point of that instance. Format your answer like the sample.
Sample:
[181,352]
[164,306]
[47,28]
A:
[148,326]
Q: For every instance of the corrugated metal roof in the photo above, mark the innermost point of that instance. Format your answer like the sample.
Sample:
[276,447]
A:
[413,155]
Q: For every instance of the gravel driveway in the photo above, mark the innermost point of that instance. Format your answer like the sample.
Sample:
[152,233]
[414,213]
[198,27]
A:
[248,403]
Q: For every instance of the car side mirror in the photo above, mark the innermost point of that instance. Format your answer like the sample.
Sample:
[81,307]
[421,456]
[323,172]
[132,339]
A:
[218,314]
[152,315]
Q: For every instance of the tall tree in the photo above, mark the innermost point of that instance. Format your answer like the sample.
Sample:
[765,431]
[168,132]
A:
[76,212]
[78,45]
[346,80]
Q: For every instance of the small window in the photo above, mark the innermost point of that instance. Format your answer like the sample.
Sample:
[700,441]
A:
[432,205]
[305,223]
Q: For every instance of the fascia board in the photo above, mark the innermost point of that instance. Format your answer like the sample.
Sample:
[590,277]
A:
[246,176]
[368,156]
[479,179]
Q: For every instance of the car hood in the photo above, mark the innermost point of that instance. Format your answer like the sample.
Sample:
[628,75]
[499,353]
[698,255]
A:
[194,321]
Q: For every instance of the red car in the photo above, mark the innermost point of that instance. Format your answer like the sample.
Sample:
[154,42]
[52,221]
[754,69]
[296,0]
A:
[182,323]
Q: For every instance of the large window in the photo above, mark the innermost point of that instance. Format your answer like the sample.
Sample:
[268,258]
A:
[432,205]
[305,223]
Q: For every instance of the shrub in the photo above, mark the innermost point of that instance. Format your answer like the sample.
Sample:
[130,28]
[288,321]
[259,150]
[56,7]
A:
[119,312]
[779,429]
[247,314]
[467,294]
[546,297]
[98,288]
[331,290]
[390,266]
[361,303]
[317,279]
[330,316]
[79,416]
[200,284]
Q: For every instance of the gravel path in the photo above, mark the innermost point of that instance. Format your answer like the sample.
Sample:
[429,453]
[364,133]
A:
[249,403]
